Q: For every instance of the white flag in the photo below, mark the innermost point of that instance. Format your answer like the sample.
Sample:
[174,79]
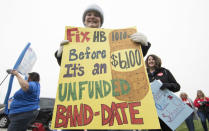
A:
[27,62]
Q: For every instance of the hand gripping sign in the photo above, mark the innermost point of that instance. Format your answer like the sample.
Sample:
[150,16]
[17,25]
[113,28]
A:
[103,82]
[170,108]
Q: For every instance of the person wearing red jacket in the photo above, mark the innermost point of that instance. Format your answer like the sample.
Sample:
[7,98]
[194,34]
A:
[189,121]
[202,103]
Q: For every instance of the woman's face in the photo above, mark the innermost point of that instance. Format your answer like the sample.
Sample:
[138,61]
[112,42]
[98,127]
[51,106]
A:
[151,62]
[183,96]
[92,20]
[199,94]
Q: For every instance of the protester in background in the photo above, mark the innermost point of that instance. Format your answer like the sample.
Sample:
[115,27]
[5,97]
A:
[156,72]
[202,103]
[24,104]
[93,18]
[189,102]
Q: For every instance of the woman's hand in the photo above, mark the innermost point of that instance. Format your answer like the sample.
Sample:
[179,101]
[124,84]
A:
[14,72]
[60,50]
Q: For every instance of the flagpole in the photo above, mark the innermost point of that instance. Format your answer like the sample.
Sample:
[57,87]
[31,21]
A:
[4,79]
[12,76]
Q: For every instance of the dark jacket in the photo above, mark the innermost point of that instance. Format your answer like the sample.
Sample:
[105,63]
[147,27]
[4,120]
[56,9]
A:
[165,76]
[144,51]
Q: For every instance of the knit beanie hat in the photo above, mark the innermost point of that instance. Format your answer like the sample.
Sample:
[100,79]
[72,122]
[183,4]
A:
[96,8]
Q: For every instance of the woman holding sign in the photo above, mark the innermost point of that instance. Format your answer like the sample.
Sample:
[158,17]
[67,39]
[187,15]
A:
[93,18]
[156,72]
[202,103]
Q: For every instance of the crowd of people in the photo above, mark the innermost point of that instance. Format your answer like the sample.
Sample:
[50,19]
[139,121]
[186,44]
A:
[93,18]
[24,105]
[200,108]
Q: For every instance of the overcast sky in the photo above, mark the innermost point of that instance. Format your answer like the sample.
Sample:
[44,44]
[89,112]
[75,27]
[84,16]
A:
[177,29]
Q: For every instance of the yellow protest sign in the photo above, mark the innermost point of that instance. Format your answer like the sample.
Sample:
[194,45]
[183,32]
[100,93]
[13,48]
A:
[103,82]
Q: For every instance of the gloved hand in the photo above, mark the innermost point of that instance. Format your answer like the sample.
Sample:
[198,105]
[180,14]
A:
[59,52]
[9,71]
[12,72]
[165,86]
[139,38]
